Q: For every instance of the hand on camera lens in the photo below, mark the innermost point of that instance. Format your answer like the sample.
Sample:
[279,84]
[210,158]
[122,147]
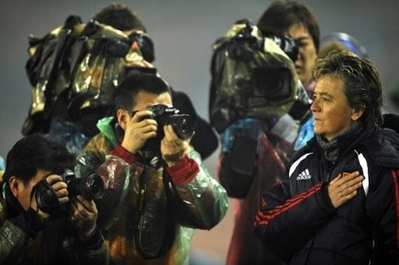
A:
[138,129]
[84,216]
[172,148]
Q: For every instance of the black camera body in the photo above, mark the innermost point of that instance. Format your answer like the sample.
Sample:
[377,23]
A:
[90,187]
[183,124]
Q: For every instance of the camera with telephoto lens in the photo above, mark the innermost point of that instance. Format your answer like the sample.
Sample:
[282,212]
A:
[90,187]
[183,125]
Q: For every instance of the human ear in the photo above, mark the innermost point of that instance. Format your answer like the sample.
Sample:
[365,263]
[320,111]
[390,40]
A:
[13,182]
[122,117]
[357,113]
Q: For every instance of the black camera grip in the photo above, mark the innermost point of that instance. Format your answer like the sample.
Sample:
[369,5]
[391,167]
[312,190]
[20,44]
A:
[46,197]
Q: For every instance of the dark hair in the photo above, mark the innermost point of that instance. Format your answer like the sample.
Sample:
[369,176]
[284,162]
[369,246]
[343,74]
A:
[281,15]
[36,152]
[362,85]
[125,94]
[119,16]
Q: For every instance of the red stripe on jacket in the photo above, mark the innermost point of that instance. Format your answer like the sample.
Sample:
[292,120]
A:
[263,218]
[395,175]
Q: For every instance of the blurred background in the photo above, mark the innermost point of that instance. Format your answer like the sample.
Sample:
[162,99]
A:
[183,32]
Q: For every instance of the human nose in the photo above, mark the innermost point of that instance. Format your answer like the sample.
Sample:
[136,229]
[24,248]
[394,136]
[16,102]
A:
[298,56]
[315,106]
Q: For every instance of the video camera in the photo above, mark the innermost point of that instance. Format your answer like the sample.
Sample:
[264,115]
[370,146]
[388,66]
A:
[90,187]
[183,124]
[253,75]
[273,82]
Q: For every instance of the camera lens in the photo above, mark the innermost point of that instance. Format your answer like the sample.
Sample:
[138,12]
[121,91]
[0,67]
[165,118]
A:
[272,83]
[90,187]
[94,186]
[182,124]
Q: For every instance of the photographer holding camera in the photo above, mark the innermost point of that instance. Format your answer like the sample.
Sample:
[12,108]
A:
[32,233]
[122,17]
[168,192]
[256,149]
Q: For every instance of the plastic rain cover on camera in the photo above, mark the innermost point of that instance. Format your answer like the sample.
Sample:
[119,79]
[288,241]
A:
[100,71]
[74,69]
[252,77]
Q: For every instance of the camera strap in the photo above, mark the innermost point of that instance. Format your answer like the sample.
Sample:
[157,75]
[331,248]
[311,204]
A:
[154,237]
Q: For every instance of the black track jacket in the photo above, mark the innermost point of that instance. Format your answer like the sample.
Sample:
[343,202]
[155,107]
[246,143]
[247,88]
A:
[298,223]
